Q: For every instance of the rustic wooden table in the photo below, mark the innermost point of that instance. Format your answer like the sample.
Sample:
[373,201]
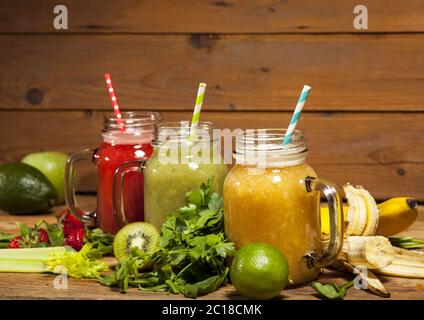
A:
[40,286]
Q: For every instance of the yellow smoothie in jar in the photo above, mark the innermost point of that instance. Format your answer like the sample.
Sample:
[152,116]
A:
[273,206]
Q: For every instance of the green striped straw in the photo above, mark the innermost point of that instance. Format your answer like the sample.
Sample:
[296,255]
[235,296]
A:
[197,109]
[296,114]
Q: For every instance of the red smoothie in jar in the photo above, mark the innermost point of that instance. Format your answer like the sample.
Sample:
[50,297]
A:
[113,152]
[125,139]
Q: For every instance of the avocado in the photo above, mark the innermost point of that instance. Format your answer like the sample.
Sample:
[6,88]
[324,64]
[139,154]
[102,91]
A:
[25,190]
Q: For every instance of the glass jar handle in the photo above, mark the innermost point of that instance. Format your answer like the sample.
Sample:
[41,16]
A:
[118,183]
[89,218]
[335,209]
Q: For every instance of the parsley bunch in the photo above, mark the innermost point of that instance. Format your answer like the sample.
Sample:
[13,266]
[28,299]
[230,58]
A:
[191,256]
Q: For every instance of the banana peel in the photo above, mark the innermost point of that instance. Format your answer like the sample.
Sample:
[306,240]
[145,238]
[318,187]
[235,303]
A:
[406,264]
[365,218]
[373,283]
[396,215]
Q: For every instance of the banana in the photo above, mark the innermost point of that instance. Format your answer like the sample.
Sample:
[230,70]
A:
[364,217]
[373,214]
[361,213]
[396,215]
[356,216]
[325,219]
[367,251]
[406,263]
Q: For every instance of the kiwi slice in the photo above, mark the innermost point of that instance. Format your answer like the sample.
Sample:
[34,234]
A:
[137,234]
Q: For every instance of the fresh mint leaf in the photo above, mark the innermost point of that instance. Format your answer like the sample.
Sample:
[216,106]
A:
[331,291]
[205,286]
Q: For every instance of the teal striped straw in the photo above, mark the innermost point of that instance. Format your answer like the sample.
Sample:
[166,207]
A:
[296,114]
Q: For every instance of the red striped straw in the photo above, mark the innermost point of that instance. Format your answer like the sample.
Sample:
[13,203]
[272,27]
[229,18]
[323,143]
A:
[114,101]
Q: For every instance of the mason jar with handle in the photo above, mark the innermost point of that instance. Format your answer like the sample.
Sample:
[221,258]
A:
[272,195]
[125,139]
[181,163]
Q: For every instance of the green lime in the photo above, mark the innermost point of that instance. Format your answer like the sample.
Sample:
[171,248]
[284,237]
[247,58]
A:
[259,271]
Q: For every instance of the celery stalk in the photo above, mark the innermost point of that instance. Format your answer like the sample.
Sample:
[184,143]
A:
[30,254]
[80,264]
[22,266]
[27,259]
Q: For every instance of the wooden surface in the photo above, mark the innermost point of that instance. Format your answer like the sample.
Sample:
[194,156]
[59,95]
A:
[364,117]
[243,72]
[216,16]
[40,286]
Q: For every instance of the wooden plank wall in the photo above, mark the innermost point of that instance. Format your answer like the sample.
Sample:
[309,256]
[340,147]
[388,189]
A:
[364,119]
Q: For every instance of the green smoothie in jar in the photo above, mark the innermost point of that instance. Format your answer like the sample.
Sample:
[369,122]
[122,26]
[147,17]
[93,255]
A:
[180,163]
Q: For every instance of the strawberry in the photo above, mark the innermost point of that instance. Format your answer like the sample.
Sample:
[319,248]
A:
[73,229]
[43,235]
[70,222]
[16,243]
[66,214]
[75,239]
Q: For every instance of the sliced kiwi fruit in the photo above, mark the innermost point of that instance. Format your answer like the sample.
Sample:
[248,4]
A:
[143,235]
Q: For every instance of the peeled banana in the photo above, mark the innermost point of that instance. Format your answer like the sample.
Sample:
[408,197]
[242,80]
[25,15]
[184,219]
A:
[364,217]
[362,214]
[367,251]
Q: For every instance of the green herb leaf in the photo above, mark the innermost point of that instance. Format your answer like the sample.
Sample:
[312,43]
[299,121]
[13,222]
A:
[55,233]
[331,291]
[225,249]
[5,239]
[100,241]
[203,287]
[215,202]
[195,198]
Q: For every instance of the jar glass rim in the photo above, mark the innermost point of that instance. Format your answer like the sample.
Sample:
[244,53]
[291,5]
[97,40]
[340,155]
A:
[184,125]
[139,117]
[266,146]
[274,135]
[269,140]
[180,131]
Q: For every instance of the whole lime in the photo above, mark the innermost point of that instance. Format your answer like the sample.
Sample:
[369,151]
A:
[52,164]
[259,271]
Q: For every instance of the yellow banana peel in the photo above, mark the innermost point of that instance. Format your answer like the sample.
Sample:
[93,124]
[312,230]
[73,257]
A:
[365,218]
